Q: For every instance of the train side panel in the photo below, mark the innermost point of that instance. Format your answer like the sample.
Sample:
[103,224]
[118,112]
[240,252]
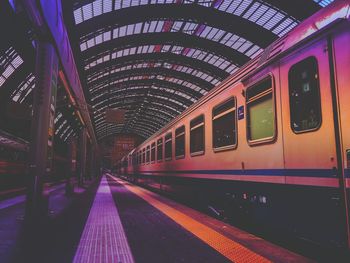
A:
[309,146]
[244,163]
[342,70]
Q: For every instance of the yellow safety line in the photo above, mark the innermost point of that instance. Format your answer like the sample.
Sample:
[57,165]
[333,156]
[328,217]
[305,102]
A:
[225,246]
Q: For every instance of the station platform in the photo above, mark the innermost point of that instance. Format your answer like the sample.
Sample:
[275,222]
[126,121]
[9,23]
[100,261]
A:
[128,224]
[111,220]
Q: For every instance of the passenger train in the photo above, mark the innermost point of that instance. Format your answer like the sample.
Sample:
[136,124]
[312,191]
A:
[13,164]
[13,155]
[270,144]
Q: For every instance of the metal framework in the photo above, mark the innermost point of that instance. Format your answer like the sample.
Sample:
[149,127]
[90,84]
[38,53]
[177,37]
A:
[17,56]
[155,58]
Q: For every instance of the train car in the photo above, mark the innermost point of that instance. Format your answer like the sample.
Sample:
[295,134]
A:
[13,157]
[13,163]
[271,144]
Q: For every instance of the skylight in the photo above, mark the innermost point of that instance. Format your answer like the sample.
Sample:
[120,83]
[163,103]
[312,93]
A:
[9,62]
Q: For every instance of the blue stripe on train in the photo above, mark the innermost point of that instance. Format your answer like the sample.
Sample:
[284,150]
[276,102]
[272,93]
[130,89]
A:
[263,172]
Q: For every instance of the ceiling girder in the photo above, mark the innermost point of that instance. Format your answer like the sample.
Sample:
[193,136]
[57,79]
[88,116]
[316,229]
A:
[147,83]
[119,102]
[196,13]
[170,58]
[143,94]
[292,8]
[149,72]
[165,38]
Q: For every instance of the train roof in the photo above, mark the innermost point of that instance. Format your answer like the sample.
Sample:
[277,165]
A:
[338,10]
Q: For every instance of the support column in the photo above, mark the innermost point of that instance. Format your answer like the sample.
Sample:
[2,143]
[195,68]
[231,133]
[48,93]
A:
[83,141]
[92,163]
[72,161]
[42,130]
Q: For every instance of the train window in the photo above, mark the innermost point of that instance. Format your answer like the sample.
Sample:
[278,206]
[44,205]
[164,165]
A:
[143,155]
[180,142]
[224,125]
[168,146]
[160,149]
[153,152]
[304,96]
[197,135]
[260,112]
[147,154]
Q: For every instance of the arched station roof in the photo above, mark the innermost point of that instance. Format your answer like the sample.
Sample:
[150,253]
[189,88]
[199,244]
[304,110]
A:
[154,58]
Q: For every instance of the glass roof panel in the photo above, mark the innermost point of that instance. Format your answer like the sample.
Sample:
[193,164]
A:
[184,69]
[323,3]
[193,53]
[23,89]
[68,135]
[60,127]
[208,32]
[58,116]
[9,62]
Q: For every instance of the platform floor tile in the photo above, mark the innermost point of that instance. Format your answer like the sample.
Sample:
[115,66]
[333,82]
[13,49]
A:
[103,239]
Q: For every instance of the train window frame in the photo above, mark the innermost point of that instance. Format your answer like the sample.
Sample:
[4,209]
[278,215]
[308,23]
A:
[201,152]
[221,114]
[153,152]
[178,133]
[160,144]
[171,145]
[148,154]
[319,100]
[260,95]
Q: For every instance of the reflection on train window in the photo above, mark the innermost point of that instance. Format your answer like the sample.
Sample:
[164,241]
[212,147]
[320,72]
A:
[147,154]
[304,96]
[224,124]
[140,157]
[260,112]
[168,146]
[180,142]
[197,135]
[160,149]
[153,152]
[143,155]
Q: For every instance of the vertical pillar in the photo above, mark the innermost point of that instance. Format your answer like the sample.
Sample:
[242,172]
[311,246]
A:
[71,169]
[83,141]
[96,163]
[41,128]
[92,163]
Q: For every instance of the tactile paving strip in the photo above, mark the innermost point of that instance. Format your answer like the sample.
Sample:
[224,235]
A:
[103,239]
[227,247]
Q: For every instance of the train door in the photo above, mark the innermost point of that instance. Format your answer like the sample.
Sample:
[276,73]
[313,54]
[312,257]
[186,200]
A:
[340,61]
[311,145]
